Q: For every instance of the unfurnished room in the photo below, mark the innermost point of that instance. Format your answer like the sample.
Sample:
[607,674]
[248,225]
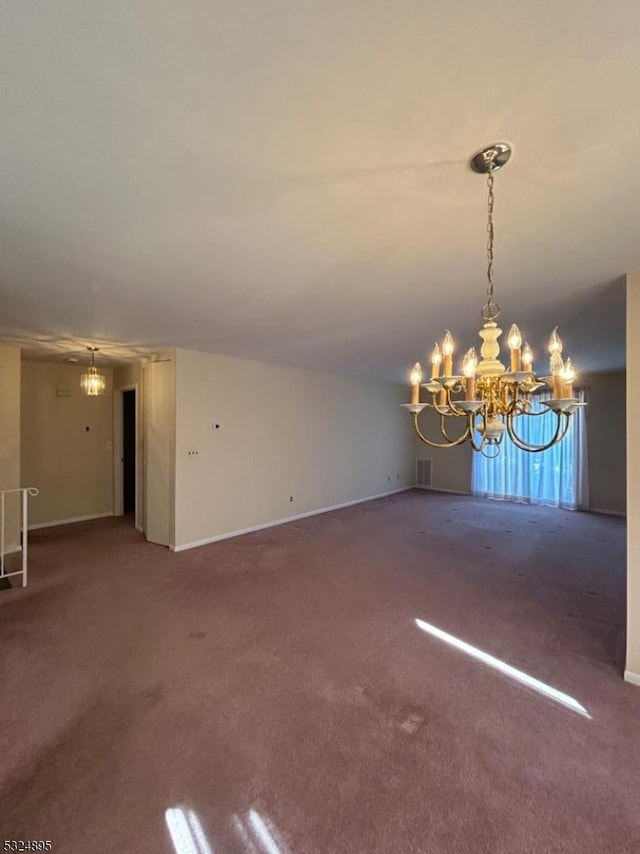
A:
[319,358]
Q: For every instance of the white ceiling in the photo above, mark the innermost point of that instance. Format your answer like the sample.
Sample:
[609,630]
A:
[288,180]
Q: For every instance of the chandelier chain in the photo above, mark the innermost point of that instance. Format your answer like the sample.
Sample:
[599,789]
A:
[491,309]
[490,234]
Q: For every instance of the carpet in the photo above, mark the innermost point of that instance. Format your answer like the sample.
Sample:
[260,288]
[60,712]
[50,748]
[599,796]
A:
[274,693]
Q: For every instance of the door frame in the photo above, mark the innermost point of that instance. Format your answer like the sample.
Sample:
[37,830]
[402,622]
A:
[118,503]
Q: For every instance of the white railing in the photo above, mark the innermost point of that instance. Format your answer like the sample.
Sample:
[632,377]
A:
[25,492]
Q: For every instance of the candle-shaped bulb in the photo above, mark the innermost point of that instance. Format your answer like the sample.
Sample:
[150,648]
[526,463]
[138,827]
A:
[557,369]
[568,372]
[556,363]
[436,359]
[469,365]
[447,351]
[515,338]
[470,362]
[567,376]
[555,344]
[527,357]
[515,342]
[415,379]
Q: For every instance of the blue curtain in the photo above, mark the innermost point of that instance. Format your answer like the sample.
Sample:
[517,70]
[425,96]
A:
[557,476]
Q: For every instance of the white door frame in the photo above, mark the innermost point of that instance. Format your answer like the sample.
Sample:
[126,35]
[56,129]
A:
[118,508]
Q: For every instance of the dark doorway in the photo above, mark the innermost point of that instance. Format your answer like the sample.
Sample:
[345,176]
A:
[129,451]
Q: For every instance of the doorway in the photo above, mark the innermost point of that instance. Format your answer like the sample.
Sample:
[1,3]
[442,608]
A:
[126,454]
[129,452]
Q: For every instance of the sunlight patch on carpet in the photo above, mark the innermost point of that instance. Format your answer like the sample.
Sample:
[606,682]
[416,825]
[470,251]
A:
[506,669]
[186,832]
[262,832]
[258,834]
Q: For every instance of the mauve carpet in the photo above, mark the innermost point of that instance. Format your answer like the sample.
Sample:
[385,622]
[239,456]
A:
[277,686]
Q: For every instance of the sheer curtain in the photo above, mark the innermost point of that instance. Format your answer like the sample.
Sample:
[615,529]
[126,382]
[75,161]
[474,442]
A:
[557,477]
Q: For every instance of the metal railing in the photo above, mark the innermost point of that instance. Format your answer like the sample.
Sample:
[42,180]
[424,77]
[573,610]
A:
[24,492]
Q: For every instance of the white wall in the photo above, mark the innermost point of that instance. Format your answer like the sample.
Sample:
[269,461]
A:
[450,467]
[632,667]
[606,437]
[71,465]
[159,449]
[322,439]
[10,441]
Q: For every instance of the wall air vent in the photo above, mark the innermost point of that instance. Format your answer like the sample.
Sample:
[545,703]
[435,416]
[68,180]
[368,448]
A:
[423,472]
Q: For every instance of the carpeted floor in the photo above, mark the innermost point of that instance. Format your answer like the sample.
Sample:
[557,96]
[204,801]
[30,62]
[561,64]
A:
[273,693]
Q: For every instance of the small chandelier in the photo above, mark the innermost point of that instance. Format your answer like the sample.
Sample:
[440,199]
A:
[93,383]
[488,398]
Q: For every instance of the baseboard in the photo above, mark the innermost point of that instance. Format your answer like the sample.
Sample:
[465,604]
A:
[438,489]
[14,551]
[633,678]
[604,512]
[69,521]
[208,540]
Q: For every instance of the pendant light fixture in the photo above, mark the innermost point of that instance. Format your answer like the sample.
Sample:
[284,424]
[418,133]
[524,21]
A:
[93,383]
[487,398]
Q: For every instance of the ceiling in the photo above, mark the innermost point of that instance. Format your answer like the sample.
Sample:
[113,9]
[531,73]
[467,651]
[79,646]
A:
[289,181]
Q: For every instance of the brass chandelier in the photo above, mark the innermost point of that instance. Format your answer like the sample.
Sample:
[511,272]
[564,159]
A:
[487,399]
[93,383]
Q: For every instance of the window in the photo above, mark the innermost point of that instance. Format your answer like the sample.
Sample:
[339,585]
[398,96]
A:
[557,476]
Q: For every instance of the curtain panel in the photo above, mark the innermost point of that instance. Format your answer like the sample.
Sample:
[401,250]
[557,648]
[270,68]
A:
[557,477]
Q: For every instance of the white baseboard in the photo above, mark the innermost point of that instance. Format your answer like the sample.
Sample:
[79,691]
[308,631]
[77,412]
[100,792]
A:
[607,512]
[208,540]
[633,678]
[70,521]
[438,489]
[13,551]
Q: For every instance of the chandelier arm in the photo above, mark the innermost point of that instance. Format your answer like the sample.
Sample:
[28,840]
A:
[452,405]
[449,408]
[559,435]
[526,407]
[442,411]
[511,392]
[442,426]
[434,405]
[483,441]
[519,406]
[483,432]
[448,444]
[535,414]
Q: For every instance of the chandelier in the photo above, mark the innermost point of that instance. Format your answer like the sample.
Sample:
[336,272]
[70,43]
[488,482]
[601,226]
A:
[488,400]
[92,382]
